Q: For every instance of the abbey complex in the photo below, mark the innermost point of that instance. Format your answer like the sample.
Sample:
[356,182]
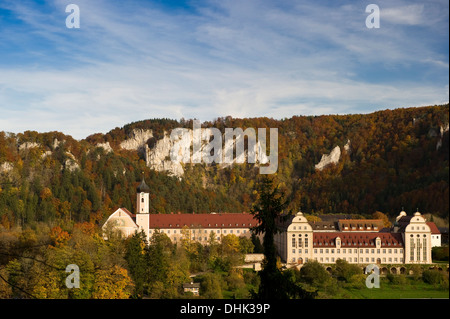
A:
[357,241]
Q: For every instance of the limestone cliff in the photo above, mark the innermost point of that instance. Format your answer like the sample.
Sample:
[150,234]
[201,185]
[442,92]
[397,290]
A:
[331,158]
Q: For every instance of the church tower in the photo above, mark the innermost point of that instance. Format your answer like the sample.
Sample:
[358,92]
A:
[142,207]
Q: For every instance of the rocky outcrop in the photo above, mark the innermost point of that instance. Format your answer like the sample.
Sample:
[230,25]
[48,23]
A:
[6,167]
[332,158]
[442,130]
[71,163]
[347,147]
[28,145]
[137,140]
[105,146]
[159,159]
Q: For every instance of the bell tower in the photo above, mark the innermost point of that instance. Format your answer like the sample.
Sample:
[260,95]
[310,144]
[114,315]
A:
[142,207]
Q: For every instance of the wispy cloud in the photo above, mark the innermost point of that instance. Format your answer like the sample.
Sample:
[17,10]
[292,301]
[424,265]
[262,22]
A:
[137,59]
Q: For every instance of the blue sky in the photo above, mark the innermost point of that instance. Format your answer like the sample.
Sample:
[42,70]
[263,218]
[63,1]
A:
[133,60]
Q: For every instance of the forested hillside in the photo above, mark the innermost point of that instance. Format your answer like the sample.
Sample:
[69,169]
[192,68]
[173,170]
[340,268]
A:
[393,159]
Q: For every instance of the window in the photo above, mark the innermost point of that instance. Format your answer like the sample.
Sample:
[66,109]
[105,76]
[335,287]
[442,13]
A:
[293,242]
[424,249]
[418,249]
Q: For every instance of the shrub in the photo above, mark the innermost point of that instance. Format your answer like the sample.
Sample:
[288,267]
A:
[432,277]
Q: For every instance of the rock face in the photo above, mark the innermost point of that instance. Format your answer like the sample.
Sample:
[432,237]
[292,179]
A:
[442,130]
[105,146]
[28,145]
[71,163]
[332,158]
[6,167]
[137,140]
[158,157]
[347,147]
[169,155]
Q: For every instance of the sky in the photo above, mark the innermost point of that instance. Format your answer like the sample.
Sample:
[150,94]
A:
[134,60]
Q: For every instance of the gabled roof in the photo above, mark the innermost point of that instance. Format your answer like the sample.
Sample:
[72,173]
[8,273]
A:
[324,226]
[128,212]
[433,227]
[219,220]
[350,240]
[373,225]
[191,285]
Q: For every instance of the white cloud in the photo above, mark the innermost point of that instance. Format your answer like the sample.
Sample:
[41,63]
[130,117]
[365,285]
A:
[409,15]
[248,58]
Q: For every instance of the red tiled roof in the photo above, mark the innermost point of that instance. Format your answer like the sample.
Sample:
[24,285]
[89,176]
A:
[361,224]
[220,220]
[356,239]
[433,227]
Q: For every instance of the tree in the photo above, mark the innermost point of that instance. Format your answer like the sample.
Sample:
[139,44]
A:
[345,271]
[113,283]
[383,217]
[267,211]
[137,263]
[314,274]
[210,286]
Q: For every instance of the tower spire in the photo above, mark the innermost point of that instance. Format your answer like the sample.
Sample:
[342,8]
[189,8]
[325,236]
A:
[143,187]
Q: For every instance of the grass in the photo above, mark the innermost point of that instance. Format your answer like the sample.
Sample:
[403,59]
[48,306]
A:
[413,289]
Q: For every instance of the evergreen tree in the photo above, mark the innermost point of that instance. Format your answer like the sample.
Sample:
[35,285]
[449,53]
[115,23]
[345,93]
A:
[267,210]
